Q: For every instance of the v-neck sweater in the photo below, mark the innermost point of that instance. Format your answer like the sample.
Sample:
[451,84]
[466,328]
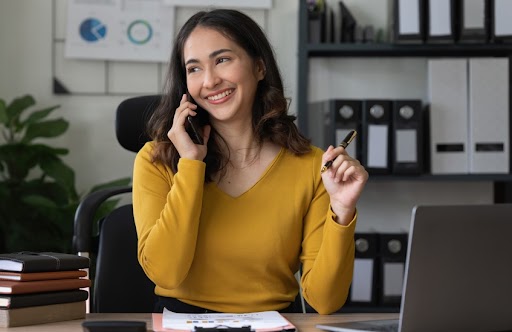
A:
[240,254]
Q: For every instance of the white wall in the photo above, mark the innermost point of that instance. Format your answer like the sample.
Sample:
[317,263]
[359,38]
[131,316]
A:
[25,67]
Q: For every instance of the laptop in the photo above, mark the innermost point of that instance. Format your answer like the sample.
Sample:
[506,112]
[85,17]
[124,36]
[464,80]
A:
[458,272]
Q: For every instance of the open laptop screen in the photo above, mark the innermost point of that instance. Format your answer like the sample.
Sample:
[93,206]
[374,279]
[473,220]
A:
[458,270]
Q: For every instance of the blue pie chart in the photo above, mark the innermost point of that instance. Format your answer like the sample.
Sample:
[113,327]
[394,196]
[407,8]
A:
[92,30]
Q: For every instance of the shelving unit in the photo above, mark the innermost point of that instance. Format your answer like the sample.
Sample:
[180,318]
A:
[306,51]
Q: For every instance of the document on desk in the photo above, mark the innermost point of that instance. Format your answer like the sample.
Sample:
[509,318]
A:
[257,321]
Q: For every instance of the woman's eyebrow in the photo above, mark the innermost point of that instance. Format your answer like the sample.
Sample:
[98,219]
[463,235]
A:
[212,55]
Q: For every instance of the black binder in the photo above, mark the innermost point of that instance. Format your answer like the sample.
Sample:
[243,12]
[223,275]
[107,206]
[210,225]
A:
[474,21]
[408,137]
[348,24]
[320,123]
[392,252]
[363,290]
[377,135]
[331,120]
[317,24]
[347,117]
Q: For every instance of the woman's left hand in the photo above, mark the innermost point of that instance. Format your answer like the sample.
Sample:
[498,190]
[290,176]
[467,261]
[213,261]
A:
[344,182]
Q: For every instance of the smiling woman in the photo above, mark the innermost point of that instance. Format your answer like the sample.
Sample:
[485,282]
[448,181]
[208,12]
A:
[222,77]
[225,225]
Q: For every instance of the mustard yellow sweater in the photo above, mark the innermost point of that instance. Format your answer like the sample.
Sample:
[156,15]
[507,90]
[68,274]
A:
[240,254]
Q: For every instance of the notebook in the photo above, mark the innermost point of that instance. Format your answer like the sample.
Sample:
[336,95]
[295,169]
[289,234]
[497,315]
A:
[458,272]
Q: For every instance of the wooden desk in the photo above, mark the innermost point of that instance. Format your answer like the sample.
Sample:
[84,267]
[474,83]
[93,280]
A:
[303,322]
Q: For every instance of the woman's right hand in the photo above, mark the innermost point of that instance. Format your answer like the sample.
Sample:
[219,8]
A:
[179,136]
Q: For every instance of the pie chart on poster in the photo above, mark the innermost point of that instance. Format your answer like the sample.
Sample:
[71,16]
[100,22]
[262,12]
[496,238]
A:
[92,30]
[140,32]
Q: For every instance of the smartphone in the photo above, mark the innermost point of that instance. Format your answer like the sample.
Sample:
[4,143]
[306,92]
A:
[194,125]
[194,130]
[113,325]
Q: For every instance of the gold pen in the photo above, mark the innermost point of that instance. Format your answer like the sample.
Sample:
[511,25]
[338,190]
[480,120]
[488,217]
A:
[346,141]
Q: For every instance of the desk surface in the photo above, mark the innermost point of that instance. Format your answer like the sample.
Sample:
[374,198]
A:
[303,322]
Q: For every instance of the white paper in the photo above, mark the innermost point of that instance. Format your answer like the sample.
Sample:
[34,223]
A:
[474,14]
[502,22]
[257,320]
[440,18]
[126,30]
[362,283]
[406,145]
[377,146]
[409,16]
[393,279]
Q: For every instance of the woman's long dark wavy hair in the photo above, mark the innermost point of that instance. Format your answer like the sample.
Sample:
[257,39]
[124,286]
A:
[270,120]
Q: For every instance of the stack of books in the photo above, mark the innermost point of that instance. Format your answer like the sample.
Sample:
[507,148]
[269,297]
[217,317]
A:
[42,287]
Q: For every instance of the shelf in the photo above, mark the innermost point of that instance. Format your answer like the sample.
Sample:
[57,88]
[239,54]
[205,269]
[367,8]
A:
[502,183]
[407,50]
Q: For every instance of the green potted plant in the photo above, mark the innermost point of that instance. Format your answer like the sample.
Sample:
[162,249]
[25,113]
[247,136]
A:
[38,197]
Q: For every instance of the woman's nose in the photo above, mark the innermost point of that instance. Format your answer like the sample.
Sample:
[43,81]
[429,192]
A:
[211,79]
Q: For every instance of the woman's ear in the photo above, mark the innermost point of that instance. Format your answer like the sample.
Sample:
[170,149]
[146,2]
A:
[261,69]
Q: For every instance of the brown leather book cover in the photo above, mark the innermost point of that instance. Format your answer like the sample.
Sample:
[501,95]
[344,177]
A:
[39,286]
[5,275]
[42,314]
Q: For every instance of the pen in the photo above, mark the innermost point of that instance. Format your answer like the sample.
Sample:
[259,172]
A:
[346,141]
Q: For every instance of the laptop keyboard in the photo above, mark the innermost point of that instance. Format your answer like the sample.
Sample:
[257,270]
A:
[391,327]
[387,328]
[388,325]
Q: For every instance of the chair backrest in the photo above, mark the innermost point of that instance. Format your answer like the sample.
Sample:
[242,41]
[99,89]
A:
[131,117]
[119,283]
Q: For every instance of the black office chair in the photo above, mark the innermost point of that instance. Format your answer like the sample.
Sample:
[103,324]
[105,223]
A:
[119,283]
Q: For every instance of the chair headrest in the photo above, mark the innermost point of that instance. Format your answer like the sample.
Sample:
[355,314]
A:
[131,118]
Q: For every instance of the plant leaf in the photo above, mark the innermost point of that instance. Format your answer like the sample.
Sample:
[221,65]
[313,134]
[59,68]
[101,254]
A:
[18,159]
[39,202]
[60,172]
[51,128]
[3,112]
[115,183]
[105,208]
[45,150]
[38,115]
[16,107]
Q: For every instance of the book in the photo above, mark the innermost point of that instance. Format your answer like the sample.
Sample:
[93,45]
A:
[35,299]
[39,286]
[42,314]
[31,276]
[27,261]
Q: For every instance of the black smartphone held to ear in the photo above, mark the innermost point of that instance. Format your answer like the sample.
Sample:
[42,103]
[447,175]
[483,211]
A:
[194,124]
[194,130]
